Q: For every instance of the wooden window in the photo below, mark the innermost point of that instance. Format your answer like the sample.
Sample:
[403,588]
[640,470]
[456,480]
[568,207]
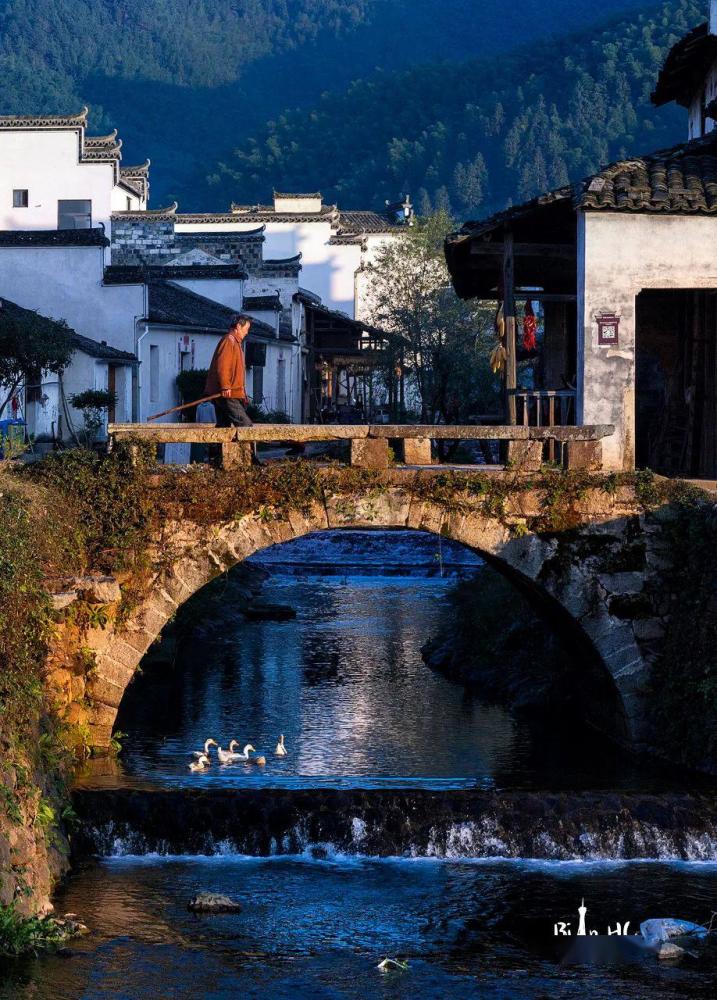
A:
[20,198]
[74,214]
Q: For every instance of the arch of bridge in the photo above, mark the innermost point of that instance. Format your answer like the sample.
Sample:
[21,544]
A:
[199,555]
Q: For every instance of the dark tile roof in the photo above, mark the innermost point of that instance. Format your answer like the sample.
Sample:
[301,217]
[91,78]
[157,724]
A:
[45,121]
[266,303]
[347,240]
[283,261]
[365,222]
[681,180]
[103,351]
[11,311]
[267,213]
[167,214]
[290,194]
[678,180]
[128,274]
[177,306]
[686,66]
[53,238]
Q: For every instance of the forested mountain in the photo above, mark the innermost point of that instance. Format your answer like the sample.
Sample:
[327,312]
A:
[474,136]
[186,80]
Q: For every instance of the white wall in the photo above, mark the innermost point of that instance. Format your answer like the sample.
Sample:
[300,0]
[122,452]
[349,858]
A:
[228,291]
[619,256]
[66,283]
[47,164]
[167,340]
[327,270]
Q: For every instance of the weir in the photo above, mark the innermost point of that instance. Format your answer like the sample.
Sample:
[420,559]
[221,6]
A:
[456,825]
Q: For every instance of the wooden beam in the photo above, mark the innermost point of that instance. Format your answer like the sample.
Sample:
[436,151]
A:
[511,377]
[561,251]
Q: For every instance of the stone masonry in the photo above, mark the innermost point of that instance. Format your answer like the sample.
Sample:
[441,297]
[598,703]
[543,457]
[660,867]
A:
[603,578]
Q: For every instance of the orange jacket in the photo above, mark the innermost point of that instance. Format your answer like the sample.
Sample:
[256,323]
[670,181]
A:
[227,370]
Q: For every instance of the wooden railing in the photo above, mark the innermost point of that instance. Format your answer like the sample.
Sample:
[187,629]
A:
[581,446]
[545,407]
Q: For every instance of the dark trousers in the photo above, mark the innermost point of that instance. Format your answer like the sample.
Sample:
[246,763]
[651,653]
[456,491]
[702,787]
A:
[230,413]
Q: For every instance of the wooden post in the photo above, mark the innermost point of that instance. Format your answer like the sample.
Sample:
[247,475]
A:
[511,378]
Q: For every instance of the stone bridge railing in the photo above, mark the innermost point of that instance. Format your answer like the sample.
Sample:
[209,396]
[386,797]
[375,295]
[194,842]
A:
[581,446]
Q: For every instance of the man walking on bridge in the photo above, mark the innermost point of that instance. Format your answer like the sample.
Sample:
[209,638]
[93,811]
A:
[227,375]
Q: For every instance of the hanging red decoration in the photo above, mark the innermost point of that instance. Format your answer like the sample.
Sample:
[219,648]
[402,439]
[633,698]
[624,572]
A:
[530,328]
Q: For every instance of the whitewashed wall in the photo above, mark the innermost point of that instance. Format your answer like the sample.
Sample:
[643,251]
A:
[47,165]
[66,283]
[619,255]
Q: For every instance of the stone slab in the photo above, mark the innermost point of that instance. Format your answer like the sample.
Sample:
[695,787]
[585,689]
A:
[417,451]
[370,454]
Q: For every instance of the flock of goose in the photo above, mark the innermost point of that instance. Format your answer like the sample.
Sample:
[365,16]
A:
[202,760]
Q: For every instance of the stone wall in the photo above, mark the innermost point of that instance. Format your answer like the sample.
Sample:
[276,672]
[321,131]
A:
[137,242]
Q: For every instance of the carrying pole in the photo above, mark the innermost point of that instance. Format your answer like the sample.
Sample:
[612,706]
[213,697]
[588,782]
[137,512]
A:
[184,406]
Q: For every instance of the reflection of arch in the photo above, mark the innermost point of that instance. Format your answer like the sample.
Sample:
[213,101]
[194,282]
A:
[565,592]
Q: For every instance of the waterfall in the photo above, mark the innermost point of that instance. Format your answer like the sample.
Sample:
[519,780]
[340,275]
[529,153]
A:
[456,825]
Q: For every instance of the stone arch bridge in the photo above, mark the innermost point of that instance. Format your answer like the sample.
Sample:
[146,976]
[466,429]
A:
[600,580]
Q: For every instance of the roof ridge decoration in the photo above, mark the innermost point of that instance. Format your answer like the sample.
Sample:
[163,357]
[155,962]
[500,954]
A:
[147,214]
[290,194]
[284,260]
[78,120]
[101,140]
[136,169]
[189,218]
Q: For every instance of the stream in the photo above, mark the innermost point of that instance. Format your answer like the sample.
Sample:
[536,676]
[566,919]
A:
[410,818]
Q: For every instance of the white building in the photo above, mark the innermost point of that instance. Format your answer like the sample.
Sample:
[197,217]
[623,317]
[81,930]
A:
[78,244]
[333,245]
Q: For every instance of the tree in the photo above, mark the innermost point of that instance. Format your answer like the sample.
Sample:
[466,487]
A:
[29,343]
[442,344]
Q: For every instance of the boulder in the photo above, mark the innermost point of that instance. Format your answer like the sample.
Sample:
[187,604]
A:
[664,929]
[213,902]
[670,952]
[98,589]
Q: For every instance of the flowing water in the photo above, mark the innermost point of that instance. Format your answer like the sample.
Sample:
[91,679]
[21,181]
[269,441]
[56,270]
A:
[409,819]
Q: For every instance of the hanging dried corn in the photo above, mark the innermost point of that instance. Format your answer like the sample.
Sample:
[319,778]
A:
[499,356]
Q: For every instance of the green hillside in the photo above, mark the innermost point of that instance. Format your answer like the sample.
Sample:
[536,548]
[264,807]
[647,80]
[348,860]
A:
[186,80]
[476,135]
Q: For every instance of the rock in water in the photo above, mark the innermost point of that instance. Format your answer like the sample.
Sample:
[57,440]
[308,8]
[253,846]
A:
[213,902]
[670,952]
[666,928]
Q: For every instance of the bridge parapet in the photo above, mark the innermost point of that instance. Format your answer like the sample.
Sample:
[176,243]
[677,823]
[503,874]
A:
[581,447]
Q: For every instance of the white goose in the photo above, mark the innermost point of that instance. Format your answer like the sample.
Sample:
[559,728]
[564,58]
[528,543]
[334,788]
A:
[201,763]
[280,748]
[202,760]
[229,757]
